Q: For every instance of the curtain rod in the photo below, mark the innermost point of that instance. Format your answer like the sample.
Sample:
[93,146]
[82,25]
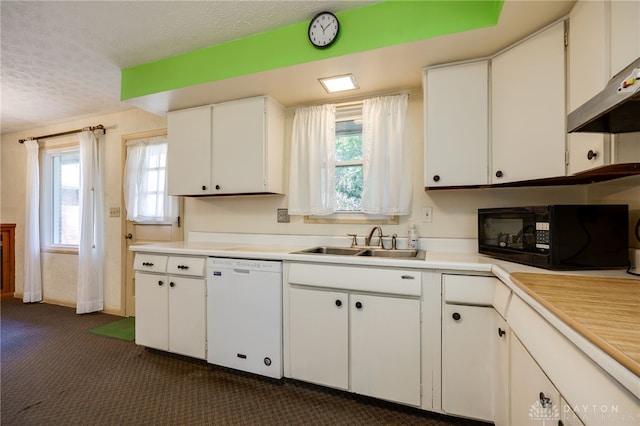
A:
[90,129]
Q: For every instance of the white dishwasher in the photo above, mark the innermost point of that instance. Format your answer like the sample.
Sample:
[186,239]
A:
[244,315]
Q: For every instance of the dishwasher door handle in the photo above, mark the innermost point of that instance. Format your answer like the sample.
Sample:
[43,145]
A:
[241,271]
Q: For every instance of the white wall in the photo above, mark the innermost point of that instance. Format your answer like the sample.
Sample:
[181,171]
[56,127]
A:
[60,270]
[454,211]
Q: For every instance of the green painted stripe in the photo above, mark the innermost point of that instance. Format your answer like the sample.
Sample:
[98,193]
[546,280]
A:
[379,25]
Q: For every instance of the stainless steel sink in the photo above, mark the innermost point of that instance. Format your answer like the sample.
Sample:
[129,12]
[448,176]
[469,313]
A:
[398,253]
[366,251]
[340,251]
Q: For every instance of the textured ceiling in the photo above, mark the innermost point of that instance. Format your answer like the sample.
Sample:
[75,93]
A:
[62,60]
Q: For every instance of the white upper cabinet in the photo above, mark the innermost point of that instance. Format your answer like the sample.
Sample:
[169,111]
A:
[625,34]
[528,109]
[604,37]
[233,147]
[457,121]
[189,151]
[248,139]
[588,74]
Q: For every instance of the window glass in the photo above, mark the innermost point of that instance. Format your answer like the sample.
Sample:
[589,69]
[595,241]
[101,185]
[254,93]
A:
[62,197]
[349,168]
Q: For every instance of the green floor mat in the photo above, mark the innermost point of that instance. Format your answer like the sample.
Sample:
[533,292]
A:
[124,329]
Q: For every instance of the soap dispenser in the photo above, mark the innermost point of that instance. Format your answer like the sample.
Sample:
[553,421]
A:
[413,236]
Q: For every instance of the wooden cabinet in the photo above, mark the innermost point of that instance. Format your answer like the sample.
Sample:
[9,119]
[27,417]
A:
[233,147]
[171,304]
[457,124]
[7,249]
[528,109]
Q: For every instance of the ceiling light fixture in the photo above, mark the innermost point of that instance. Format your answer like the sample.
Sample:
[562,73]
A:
[339,83]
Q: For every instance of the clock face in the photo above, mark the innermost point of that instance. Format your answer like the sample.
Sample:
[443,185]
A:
[323,29]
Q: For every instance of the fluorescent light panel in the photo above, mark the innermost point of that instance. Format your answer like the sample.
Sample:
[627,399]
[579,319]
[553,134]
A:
[339,83]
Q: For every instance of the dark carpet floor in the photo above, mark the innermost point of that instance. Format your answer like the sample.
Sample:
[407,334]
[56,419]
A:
[54,372]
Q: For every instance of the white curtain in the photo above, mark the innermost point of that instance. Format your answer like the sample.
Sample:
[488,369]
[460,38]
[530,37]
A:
[92,227]
[312,188]
[388,185]
[32,273]
[145,182]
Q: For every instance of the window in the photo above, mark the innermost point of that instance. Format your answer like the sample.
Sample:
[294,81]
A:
[349,165]
[61,197]
[145,182]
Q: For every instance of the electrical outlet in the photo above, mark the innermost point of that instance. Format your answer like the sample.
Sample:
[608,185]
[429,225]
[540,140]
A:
[114,211]
[427,214]
[283,216]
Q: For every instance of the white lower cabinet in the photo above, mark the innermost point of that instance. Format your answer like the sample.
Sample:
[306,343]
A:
[385,347]
[534,399]
[170,307]
[319,336]
[475,351]
[467,361]
[365,343]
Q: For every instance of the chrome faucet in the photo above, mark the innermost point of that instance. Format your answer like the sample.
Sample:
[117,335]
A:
[367,240]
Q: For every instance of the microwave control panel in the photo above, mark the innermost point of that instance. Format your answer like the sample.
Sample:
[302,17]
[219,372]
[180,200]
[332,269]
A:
[542,235]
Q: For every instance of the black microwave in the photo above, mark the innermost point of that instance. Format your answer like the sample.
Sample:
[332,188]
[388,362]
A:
[562,237]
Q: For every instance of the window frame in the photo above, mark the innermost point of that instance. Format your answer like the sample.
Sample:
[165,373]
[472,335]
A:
[46,198]
[345,112]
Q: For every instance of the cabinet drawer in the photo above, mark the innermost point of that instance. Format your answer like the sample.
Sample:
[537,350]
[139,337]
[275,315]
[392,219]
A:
[150,262]
[180,265]
[469,289]
[374,280]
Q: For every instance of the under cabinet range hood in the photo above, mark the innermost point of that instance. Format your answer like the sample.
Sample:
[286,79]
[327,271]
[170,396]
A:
[614,110]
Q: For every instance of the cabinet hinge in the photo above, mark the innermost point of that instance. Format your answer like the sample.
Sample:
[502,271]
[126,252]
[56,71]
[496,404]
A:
[566,158]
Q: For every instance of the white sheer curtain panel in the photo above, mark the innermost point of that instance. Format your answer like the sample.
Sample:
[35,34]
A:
[32,291]
[388,184]
[92,227]
[145,182]
[312,189]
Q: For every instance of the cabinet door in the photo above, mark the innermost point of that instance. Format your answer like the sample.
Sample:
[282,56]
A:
[319,337]
[152,311]
[534,399]
[187,332]
[385,347]
[189,151]
[528,109]
[239,146]
[467,384]
[588,74]
[501,337]
[625,34]
[456,114]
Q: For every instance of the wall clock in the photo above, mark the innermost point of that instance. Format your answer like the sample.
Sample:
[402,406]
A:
[323,29]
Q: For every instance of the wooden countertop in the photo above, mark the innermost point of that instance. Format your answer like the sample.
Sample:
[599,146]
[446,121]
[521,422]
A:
[606,311]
